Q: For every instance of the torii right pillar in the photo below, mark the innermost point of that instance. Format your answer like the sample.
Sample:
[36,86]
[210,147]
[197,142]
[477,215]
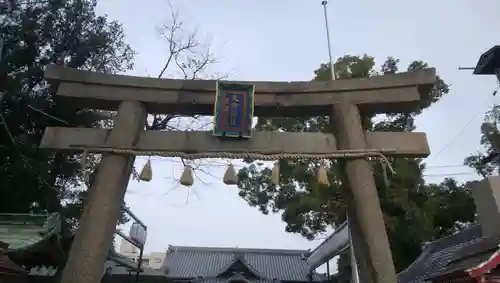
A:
[366,220]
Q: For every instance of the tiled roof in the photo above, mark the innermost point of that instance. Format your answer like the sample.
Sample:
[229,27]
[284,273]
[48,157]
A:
[23,231]
[267,264]
[448,254]
[111,266]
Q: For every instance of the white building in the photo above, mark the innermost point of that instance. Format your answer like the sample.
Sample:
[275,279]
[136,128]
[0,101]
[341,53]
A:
[152,260]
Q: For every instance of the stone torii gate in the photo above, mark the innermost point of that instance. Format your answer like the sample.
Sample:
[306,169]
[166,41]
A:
[135,97]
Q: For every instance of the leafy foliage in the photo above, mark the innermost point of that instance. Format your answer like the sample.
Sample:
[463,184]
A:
[38,33]
[490,140]
[414,212]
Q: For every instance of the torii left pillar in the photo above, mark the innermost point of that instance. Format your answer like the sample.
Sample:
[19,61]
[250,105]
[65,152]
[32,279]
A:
[102,211]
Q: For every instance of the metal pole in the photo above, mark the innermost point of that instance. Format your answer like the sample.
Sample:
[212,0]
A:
[136,219]
[2,95]
[354,265]
[139,264]
[1,48]
[328,271]
[332,70]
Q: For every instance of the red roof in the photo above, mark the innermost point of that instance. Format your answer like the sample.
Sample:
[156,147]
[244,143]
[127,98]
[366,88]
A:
[486,266]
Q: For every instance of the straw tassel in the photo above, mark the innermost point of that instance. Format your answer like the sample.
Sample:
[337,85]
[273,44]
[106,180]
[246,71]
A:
[187,176]
[275,174]
[322,176]
[230,177]
[146,172]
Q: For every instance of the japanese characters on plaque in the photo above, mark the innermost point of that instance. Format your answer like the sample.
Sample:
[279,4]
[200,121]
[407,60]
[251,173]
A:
[233,111]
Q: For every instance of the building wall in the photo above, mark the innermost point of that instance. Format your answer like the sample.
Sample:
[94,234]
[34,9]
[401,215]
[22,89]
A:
[156,259]
[152,260]
[127,249]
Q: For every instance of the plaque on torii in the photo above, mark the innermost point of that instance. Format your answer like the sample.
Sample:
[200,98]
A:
[233,111]
[135,97]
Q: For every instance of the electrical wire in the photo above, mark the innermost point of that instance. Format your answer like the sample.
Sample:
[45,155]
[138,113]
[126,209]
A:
[465,126]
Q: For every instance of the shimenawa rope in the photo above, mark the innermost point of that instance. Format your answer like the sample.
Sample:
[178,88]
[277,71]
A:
[354,153]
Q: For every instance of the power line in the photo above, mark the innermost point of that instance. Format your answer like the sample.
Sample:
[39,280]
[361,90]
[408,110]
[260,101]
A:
[445,166]
[450,174]
[462,130]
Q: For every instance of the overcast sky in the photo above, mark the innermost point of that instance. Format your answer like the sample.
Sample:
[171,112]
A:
[285,40]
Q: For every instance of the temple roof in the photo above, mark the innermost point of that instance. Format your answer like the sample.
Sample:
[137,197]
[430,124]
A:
[261,264]
[457,252]
[116,265]
[32,239]
[24,231]
[36,242]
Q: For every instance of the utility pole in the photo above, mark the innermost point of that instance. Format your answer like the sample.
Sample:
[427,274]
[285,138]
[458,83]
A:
[332,70]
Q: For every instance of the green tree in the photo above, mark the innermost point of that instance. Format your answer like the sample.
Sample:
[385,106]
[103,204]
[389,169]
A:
[309,209]
[38,33]
[487,163]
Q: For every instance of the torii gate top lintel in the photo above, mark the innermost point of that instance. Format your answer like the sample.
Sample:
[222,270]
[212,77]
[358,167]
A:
[380,94]
[105,91]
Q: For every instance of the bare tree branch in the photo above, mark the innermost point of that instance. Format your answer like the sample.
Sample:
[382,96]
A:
[191,60]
